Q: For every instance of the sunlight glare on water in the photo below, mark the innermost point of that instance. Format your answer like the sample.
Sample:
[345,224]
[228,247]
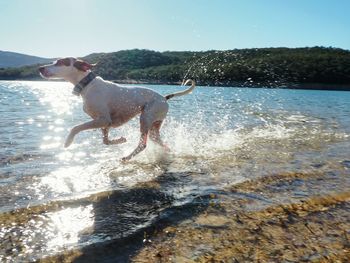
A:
[72,180]
[67,224]
[57,95]
[218,137]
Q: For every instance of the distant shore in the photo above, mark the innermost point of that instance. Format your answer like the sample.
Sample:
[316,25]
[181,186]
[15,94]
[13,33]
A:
[236,84]
[320,68]
[233,84]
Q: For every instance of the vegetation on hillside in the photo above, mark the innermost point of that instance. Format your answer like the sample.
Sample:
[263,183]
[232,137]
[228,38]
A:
[26,72]
[247,67]
[13,59]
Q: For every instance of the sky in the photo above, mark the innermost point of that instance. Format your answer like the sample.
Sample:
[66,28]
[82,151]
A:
[59,28]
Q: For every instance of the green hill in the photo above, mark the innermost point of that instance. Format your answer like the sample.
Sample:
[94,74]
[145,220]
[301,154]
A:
[244,67]
[12,59]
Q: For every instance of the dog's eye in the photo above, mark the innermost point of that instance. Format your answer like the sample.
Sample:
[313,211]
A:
[59,63]
[63,62]
[66,62]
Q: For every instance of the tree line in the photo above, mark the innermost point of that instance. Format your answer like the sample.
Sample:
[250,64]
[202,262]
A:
[243,67]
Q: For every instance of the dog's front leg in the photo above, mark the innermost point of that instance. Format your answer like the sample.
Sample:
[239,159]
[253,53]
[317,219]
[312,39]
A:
[102,122]
[107,141]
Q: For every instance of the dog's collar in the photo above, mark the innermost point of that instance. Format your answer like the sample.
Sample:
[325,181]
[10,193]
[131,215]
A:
[83,83]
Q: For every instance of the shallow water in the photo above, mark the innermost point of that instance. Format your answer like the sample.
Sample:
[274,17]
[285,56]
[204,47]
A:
[53,199]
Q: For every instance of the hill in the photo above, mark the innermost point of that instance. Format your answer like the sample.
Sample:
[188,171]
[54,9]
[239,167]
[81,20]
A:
[12,59]
[243,67]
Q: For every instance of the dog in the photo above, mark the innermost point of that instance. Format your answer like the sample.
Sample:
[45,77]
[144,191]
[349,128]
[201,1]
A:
[110,105]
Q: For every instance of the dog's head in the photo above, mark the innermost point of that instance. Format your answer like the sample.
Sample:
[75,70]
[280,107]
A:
[64,68]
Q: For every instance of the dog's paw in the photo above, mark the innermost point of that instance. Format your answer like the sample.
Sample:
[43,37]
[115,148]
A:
[121,140]
[67,144]
[125,159]
[68,141]
[116,141]
[166,148]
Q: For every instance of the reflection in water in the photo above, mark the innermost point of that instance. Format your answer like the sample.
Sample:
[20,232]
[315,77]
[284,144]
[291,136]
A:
[56,95]
[72,180]
[45,233]
[67,224]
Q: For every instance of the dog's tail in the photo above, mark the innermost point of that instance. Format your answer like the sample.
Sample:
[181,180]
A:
[184,92]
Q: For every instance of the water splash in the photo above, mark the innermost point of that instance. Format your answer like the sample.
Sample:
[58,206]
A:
[217,136]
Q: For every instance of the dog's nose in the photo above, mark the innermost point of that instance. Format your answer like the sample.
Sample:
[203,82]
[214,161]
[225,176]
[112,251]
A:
[43,71]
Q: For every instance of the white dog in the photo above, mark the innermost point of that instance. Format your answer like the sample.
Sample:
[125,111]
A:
[111,105]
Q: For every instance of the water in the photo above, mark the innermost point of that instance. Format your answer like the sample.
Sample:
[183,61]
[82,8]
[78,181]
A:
[53,199]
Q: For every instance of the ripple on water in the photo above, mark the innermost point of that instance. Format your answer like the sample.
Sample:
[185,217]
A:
[54,198]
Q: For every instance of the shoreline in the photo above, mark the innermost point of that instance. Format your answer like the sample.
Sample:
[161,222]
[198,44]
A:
[239,225]
[236,84]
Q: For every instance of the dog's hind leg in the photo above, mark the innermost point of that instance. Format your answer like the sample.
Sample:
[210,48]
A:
[155,135]
[153,112]
[146,120]
[141,146]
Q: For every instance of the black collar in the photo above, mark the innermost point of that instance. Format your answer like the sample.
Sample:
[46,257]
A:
[83,83]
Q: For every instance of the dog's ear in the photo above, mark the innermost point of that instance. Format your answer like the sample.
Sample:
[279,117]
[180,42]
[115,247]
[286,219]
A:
[82,65]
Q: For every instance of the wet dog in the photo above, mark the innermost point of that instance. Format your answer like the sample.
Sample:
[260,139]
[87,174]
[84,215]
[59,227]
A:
[111,105]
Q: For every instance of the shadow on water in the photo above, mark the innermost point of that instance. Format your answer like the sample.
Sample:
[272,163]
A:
[124,220]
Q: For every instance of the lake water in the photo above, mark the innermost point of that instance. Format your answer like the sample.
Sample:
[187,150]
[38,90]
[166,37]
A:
[54,199]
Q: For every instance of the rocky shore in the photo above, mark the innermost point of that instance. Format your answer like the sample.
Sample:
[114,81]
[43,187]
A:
[315,229]
[292,217]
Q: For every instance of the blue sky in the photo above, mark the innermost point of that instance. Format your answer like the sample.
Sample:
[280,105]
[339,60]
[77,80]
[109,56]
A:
[57,28]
